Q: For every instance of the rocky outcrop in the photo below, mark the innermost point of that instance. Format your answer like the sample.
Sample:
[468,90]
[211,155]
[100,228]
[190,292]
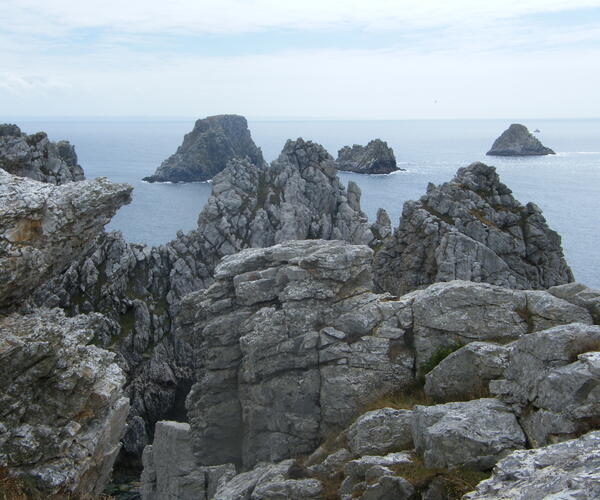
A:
[44,227]
[62,405]
[565,470]
[36,157]
[553,382]
[207,149]
[471,228]
[374,158]
[298,197]
[380,431]
[516,140]
[581,295]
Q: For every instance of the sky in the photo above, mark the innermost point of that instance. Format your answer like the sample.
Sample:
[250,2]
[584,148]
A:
[304,59]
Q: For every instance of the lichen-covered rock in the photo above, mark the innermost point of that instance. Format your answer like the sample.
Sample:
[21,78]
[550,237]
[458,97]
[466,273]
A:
[580,295]
[553,382]
[565,470]
[471,228]
[473,434]
[36,157]
[374,158]
[62,405]
[207,149]
[44,227]
[170,471]
[289,341]
[516,140]
[381,431]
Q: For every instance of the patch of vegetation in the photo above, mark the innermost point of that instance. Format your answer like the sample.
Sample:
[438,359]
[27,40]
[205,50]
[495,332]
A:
[526,316]
[404,399]
[438,356]
[11,488]
[480,216]
[456,482]
[445,217]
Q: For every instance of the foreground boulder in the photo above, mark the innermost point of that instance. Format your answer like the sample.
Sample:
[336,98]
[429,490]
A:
[205,151]
[471,228]
[36,157]
[62,405]
[374,158]
[44,227]
[565,470]
[516,140]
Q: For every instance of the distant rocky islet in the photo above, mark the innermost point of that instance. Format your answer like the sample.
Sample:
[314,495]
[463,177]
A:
[516,140]
[278,320]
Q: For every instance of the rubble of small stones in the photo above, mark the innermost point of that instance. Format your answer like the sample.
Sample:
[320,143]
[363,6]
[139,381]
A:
[516,140]
[471,228]
[207,149]
[38,158]
[374,158]
[62,404]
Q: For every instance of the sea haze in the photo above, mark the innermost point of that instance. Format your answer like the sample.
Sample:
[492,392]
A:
[565,186]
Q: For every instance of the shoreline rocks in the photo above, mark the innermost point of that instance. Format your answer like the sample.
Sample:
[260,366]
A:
[374,158]
[207,149]
[38,158]
[516,140]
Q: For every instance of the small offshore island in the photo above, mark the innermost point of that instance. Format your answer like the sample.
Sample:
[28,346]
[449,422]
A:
[288,347]
[516,140]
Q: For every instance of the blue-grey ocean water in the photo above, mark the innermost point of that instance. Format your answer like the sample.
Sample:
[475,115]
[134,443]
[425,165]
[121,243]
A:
[566,186]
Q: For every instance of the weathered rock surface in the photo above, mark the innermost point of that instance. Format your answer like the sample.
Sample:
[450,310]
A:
[565,470]
[580,295]
[62,405]
[44,227]
[170,471]
[374,158]
[289,342]
[381,431]
[553,382]
[465,373]
[207,149]
[139,287]
[471,228]
[36,157]
[516,140]
[474,433]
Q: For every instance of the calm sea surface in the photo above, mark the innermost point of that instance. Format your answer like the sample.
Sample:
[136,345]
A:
[566,186]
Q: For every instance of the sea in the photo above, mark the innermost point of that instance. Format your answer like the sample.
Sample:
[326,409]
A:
[566,186]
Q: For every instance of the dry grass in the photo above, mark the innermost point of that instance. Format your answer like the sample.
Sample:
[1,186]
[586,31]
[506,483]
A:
[11,488]
[404,399]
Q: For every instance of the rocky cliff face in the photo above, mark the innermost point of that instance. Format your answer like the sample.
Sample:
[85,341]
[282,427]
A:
[36,157]
[516,140]
[471,228]
[62,406]
[374,158]
[205,151]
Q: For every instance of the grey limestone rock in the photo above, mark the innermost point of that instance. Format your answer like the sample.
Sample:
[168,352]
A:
[566,470]
[374,158]
[473,434]
[43,228]
[580,295]
[36,157]
[553,382]
[207,149]
[471,228]
[465,373]
[516,140]
[388,487]
[381,431]
[62,404]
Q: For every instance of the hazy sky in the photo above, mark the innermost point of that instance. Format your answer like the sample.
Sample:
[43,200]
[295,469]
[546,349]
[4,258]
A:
[371,59]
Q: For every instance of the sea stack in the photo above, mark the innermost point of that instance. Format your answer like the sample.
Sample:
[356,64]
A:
[516,140]
[206,150]
[374,158]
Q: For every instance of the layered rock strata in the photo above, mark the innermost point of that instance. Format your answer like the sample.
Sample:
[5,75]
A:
[374,158]
[207,149]
[62,404]
[38,158]
[516,140]
[471,228]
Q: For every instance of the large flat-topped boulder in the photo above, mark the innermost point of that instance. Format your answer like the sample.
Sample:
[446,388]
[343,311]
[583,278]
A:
[516,140]
[374,158]
[36,157]
[471,228]
[44,227]
[62,404]
[207,149]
